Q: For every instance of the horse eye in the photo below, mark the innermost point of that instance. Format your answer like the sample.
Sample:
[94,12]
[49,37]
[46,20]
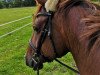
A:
[35,28]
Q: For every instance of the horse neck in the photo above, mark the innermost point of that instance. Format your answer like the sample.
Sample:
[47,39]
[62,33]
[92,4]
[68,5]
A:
[84,55]
[73,28]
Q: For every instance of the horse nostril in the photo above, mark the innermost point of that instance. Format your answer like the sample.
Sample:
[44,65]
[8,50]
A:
[29,62]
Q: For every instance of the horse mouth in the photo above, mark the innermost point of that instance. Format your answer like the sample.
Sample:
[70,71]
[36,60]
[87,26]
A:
[34,65]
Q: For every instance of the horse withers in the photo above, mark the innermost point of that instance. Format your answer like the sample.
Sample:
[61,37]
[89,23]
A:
[74,27]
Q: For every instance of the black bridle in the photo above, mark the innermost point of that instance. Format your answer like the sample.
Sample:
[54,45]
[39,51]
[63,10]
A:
[46,31]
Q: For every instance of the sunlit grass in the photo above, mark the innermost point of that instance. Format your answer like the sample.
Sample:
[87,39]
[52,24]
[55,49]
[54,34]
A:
[13,26]
[11,14]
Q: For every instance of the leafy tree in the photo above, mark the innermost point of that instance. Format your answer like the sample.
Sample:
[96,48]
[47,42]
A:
[29,3]
[1,5]
[16,3]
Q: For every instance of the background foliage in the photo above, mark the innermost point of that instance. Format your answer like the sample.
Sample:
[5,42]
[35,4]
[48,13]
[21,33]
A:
[16,3]
[19,3]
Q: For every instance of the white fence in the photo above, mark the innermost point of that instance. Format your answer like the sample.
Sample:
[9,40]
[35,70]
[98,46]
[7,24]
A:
[15,21]
[17,28]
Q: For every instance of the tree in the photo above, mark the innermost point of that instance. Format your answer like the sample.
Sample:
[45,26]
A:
[29,3]
[1,5]
[16,3]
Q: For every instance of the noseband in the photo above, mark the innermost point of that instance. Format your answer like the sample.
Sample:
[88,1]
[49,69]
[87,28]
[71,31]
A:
[46,31]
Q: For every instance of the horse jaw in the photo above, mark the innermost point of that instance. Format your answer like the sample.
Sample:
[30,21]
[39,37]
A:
[50,5]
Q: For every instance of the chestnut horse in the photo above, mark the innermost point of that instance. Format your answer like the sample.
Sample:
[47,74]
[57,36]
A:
[75,28]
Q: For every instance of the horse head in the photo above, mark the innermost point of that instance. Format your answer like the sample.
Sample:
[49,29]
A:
[47,41]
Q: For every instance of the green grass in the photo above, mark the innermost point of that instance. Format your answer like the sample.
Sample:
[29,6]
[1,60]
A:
[13,46]
[12,26]
[7,15]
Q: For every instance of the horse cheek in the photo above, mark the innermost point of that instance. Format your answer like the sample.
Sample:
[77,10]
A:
[47,49]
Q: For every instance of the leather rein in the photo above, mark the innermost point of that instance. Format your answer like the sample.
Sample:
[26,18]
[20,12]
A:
[46,31]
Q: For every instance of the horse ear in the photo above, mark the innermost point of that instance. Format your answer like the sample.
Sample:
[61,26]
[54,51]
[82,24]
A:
[37,3]
[50,5]
[42,2]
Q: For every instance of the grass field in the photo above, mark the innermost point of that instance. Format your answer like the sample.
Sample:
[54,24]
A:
[13,46]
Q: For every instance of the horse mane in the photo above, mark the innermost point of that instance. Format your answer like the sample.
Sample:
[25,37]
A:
[92,22]
[67,5]
[91,30]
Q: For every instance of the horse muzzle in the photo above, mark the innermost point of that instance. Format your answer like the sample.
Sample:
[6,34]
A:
[37,64]
[34,63]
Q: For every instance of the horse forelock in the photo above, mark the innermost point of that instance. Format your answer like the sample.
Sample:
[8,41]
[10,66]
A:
[50,5]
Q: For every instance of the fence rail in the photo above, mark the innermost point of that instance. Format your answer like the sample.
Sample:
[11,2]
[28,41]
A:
[15,21]
[14,30]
